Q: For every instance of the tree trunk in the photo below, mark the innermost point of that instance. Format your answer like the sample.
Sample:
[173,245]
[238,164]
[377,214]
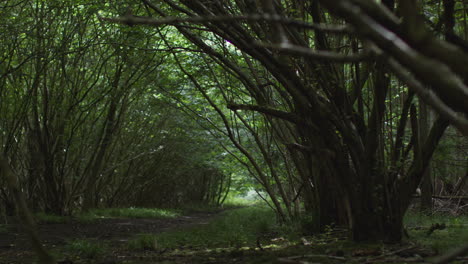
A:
[24,213]
[109,128]
[426,184]
[371,224]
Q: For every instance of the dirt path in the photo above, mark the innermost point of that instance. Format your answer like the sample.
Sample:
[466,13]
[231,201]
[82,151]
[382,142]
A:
[15,248]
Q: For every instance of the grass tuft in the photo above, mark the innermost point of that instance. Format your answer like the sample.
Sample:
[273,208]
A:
[144,241]
[50,218]
[86,248]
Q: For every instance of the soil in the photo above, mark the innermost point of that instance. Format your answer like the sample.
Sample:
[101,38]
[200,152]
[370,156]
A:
[114,232]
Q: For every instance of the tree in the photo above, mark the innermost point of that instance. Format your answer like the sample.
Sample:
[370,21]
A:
[69,89]
[336,96]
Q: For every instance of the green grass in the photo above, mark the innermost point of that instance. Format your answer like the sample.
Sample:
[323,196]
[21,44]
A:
[87,218]
[131,212]
[241,228]
[230,203]
[199,208]
[86,248]
[50,218]
[95,214]
[235,228]
[454,235]
[237,201]
[136,213]
[144,241]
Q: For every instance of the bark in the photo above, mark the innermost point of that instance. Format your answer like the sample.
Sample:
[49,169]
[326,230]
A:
[377,224]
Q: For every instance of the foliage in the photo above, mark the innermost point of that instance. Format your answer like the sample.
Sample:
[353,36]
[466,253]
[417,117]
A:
[241,201]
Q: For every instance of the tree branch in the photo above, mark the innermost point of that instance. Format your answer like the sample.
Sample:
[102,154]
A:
[137,20]
[319,55]
[267,111]
[430,97]
[434,62]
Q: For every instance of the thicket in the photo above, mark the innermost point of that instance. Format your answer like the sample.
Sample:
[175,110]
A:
[83,122]
[330,108]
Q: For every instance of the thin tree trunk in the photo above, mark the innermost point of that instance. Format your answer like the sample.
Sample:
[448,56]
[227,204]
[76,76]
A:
[426,184]
[24,213]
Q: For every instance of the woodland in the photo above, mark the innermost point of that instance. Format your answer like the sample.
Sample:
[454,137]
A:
[333,131]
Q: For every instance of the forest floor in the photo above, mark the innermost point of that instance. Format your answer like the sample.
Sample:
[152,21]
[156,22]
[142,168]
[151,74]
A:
[245,235]
[114,233]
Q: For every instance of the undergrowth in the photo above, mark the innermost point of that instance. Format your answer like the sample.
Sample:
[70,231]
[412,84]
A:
[135,212]
[86,248]
[235,228]
[232,202]
[243,227]
[50,218]
[96,214]
[235,201]
[453,234]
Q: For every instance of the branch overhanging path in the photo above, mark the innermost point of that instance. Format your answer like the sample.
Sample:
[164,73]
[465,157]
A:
[138,20]
[372,32]
[434,76]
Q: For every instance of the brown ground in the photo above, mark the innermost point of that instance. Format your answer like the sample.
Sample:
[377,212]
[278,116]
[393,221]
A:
[115,232]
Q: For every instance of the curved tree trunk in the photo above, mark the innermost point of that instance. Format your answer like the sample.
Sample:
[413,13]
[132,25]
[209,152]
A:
[24,213]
